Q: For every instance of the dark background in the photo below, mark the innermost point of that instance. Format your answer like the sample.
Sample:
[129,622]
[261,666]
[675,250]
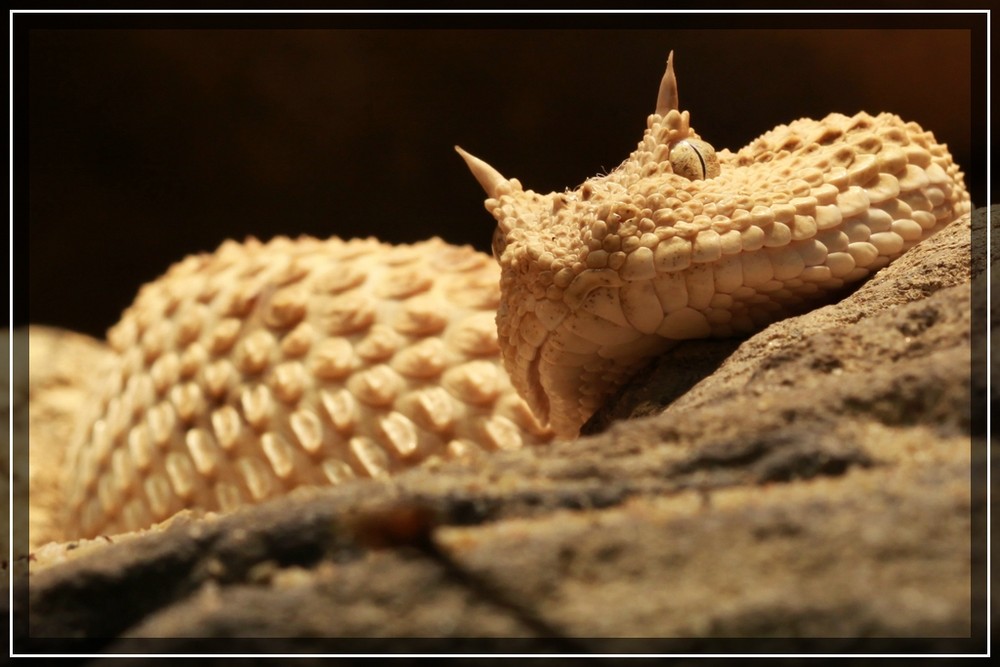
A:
[147,144]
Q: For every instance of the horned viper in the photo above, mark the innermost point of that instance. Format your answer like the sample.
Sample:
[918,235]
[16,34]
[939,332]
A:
[262,367]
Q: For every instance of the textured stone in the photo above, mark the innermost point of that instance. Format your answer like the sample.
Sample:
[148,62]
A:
[816,485]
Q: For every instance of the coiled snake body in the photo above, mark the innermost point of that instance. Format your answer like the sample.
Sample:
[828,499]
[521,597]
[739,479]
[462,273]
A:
[260,368]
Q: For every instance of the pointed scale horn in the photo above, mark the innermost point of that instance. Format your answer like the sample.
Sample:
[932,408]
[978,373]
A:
[489,178]
[666,99]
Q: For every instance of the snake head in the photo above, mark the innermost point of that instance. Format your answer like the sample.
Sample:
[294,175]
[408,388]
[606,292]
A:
[573,265]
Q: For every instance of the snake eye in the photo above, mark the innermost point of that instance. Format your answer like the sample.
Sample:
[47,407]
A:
[694,159]
[499,243]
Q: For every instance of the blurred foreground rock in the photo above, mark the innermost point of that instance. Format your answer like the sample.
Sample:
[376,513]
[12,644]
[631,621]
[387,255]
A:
[815,484]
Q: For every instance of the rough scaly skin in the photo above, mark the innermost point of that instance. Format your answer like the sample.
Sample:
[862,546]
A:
[264,367]
[597,280]
[260,368]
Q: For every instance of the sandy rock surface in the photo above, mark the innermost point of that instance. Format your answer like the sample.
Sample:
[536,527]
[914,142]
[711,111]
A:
[812,481]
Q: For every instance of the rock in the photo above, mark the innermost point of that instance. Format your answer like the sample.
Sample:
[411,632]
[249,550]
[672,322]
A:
[817,484]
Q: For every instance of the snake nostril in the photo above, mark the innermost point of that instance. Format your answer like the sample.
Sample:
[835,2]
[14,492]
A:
[499,243]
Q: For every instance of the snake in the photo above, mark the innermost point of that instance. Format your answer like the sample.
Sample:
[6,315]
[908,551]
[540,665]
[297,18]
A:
[244,374]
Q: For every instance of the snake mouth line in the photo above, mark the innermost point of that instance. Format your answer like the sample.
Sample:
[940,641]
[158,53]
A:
[538,398]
